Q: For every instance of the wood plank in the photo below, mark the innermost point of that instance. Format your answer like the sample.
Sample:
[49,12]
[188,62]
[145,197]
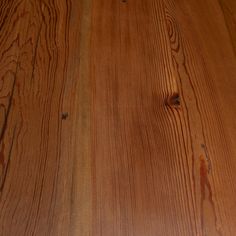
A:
[38,185]
[163,116]
[117,117]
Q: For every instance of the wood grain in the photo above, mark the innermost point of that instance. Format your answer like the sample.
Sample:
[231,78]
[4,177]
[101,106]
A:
[37,182]
[117,117]
[229,12]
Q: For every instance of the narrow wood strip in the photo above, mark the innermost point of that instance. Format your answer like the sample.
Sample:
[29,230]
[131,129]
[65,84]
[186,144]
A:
[81,218]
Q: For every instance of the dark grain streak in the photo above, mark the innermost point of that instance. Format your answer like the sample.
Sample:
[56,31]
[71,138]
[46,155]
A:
[207,158]
[3,178]
[35,52]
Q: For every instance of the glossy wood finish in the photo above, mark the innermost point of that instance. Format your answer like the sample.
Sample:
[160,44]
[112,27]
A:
[117,117]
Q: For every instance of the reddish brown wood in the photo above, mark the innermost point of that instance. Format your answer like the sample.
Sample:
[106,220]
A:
[117,117]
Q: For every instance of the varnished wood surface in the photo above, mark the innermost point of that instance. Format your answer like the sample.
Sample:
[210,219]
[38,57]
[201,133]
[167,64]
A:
[117,117]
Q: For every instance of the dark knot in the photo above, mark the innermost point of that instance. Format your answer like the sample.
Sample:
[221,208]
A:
[173,100]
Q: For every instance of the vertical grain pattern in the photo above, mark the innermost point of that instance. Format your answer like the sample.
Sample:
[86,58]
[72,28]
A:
[196,82]
[158,119]
[228,10]
[37,150]
[137,137]
[81,220]
[9,49]
[117,117]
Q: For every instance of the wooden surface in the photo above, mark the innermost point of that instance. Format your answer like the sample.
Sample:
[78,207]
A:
[117,117]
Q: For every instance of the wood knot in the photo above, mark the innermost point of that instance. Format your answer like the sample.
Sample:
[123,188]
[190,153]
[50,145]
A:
[64,115]
[173,100]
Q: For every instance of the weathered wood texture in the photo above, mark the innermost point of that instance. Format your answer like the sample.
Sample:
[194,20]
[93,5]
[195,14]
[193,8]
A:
[117,117]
